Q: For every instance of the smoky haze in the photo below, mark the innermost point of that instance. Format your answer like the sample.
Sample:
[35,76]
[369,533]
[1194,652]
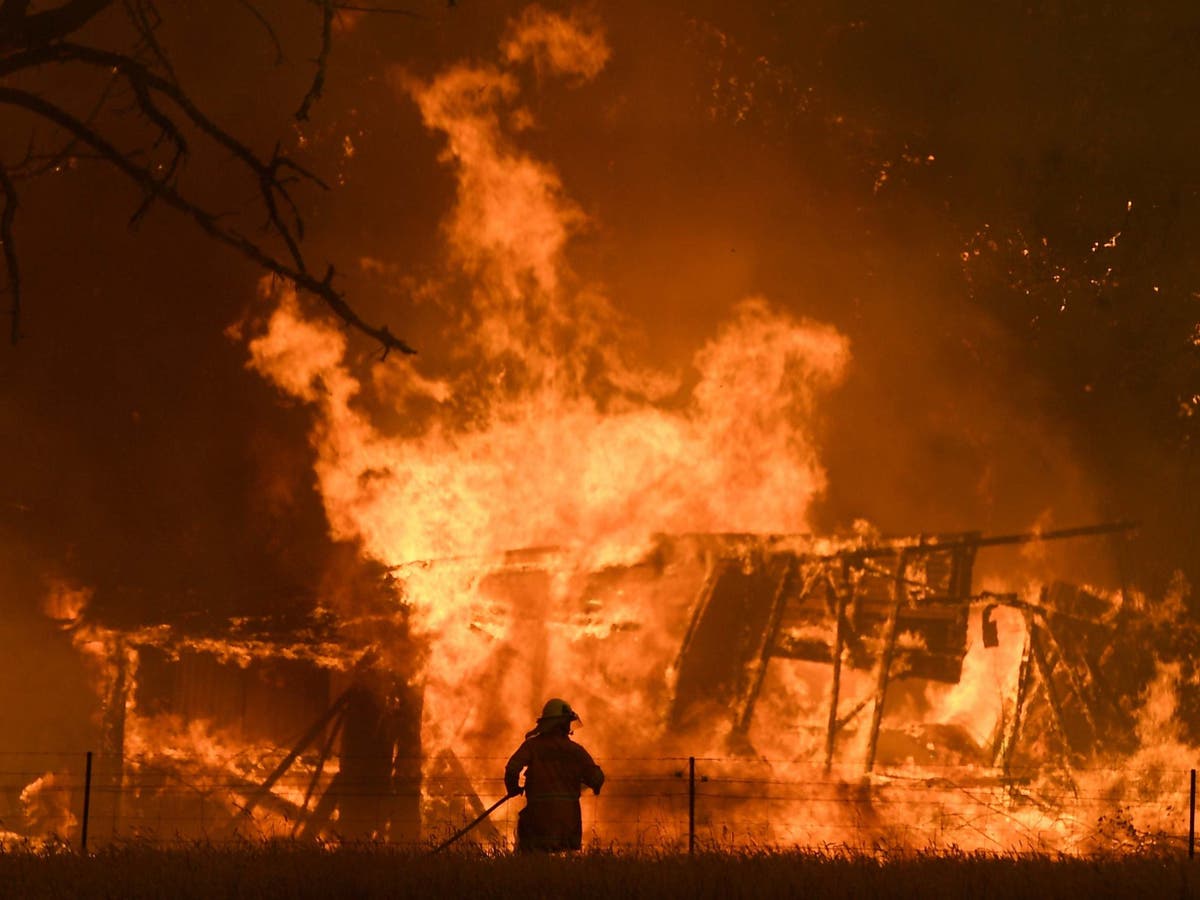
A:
[845,162]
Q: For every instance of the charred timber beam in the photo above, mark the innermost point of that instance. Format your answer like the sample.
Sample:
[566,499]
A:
[449,783]
[839,640]
[766,645]
[1046,675]
[999,540]
[890,633]
[280,806]
[854,711]
[326,750]
[315,821]
[301,745]
[1076,684]
[1058,534]
[1012,731]
[715,544]
[731,620]
[234,784]
[703,598]
[1100,683]
[364,788]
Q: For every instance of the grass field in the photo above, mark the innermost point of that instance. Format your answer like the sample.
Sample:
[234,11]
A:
[283,870]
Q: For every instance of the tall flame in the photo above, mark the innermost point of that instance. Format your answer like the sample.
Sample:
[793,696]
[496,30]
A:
[543,432]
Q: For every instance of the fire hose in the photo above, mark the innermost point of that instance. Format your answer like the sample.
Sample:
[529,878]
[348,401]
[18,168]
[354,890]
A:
[479,818]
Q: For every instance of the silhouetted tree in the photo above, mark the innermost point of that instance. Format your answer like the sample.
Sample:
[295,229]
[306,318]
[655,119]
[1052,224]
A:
[144,123]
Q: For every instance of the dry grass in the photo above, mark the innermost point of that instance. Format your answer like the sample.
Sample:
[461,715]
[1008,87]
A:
[284,870]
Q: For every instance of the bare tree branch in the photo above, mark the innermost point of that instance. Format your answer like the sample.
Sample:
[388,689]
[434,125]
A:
[31,41]
[142,81]
[169,130]
[19,28]
[385,10]
[328,9]
[267,26]
[318,83]
[46,162]
[297,273]
[146,20]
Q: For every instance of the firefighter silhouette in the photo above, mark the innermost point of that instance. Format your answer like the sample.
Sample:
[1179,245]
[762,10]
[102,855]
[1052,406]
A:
[556,771]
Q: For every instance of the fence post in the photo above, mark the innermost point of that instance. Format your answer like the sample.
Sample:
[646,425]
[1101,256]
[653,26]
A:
[1192,818]
[691,805]
[87,803]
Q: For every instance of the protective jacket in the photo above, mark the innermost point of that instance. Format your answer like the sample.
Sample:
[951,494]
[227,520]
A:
[556,770]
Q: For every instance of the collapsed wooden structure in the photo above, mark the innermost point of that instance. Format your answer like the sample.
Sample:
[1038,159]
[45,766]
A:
[316,734]
[1084,664]
[346,726]
[899,609]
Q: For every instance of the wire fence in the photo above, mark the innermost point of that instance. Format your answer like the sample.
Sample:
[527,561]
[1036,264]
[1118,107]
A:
[670,804]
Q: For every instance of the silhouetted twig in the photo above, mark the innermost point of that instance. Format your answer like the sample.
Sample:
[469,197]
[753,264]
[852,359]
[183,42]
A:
[42,40]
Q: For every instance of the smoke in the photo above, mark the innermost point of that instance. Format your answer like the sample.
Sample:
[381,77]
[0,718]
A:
[567,45]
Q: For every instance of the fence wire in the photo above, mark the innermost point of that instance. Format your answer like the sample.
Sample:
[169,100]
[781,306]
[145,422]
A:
[646,803]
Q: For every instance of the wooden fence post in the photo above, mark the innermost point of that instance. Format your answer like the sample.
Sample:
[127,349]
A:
[691,805]
[1192,818]
[87,803]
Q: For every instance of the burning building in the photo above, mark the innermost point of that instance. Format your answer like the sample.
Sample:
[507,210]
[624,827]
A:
[322,729]
[671,584]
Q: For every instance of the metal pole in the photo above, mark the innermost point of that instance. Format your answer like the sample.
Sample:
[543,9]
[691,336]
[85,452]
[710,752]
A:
[691,804]
[87,801]
[1192,819]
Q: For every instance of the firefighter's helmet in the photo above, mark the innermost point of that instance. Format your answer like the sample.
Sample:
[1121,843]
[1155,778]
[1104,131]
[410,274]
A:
[555,714]
[559,710]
